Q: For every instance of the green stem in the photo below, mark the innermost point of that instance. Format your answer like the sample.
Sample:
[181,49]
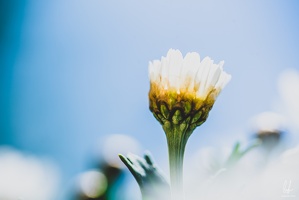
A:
[177,137]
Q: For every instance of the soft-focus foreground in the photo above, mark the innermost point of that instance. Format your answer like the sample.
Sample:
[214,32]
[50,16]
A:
[26,177]
[263,167]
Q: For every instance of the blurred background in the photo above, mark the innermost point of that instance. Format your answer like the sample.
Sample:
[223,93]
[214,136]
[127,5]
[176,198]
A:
[73,72]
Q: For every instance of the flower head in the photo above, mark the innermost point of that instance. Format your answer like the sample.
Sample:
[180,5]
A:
[184,89]
[182,92]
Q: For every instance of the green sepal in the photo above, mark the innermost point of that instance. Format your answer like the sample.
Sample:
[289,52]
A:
[164,111]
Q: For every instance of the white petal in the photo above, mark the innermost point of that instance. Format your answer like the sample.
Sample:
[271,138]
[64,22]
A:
[154,71]
[189,69]
[175,58]
[223,80]
[202,76]
[164,72]
[221,63]
[214,75]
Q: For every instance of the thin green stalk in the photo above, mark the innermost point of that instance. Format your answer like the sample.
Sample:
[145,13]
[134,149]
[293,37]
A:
[177,137]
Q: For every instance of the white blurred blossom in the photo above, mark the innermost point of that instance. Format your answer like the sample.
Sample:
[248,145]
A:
[288,85]
[24,177]
[278,179]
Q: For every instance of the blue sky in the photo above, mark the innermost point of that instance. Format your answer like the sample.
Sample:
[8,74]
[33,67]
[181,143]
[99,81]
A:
[76,71]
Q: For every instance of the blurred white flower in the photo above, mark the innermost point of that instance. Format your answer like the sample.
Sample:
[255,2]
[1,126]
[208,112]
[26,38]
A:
[268,122]
[114,144]
[269,128]
[25,177]
[288,85]
[277,180]
[92,184]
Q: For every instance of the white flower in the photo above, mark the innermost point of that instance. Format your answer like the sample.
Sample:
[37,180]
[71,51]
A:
[182,92]
[184,89]
[26,177]
[188,74]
